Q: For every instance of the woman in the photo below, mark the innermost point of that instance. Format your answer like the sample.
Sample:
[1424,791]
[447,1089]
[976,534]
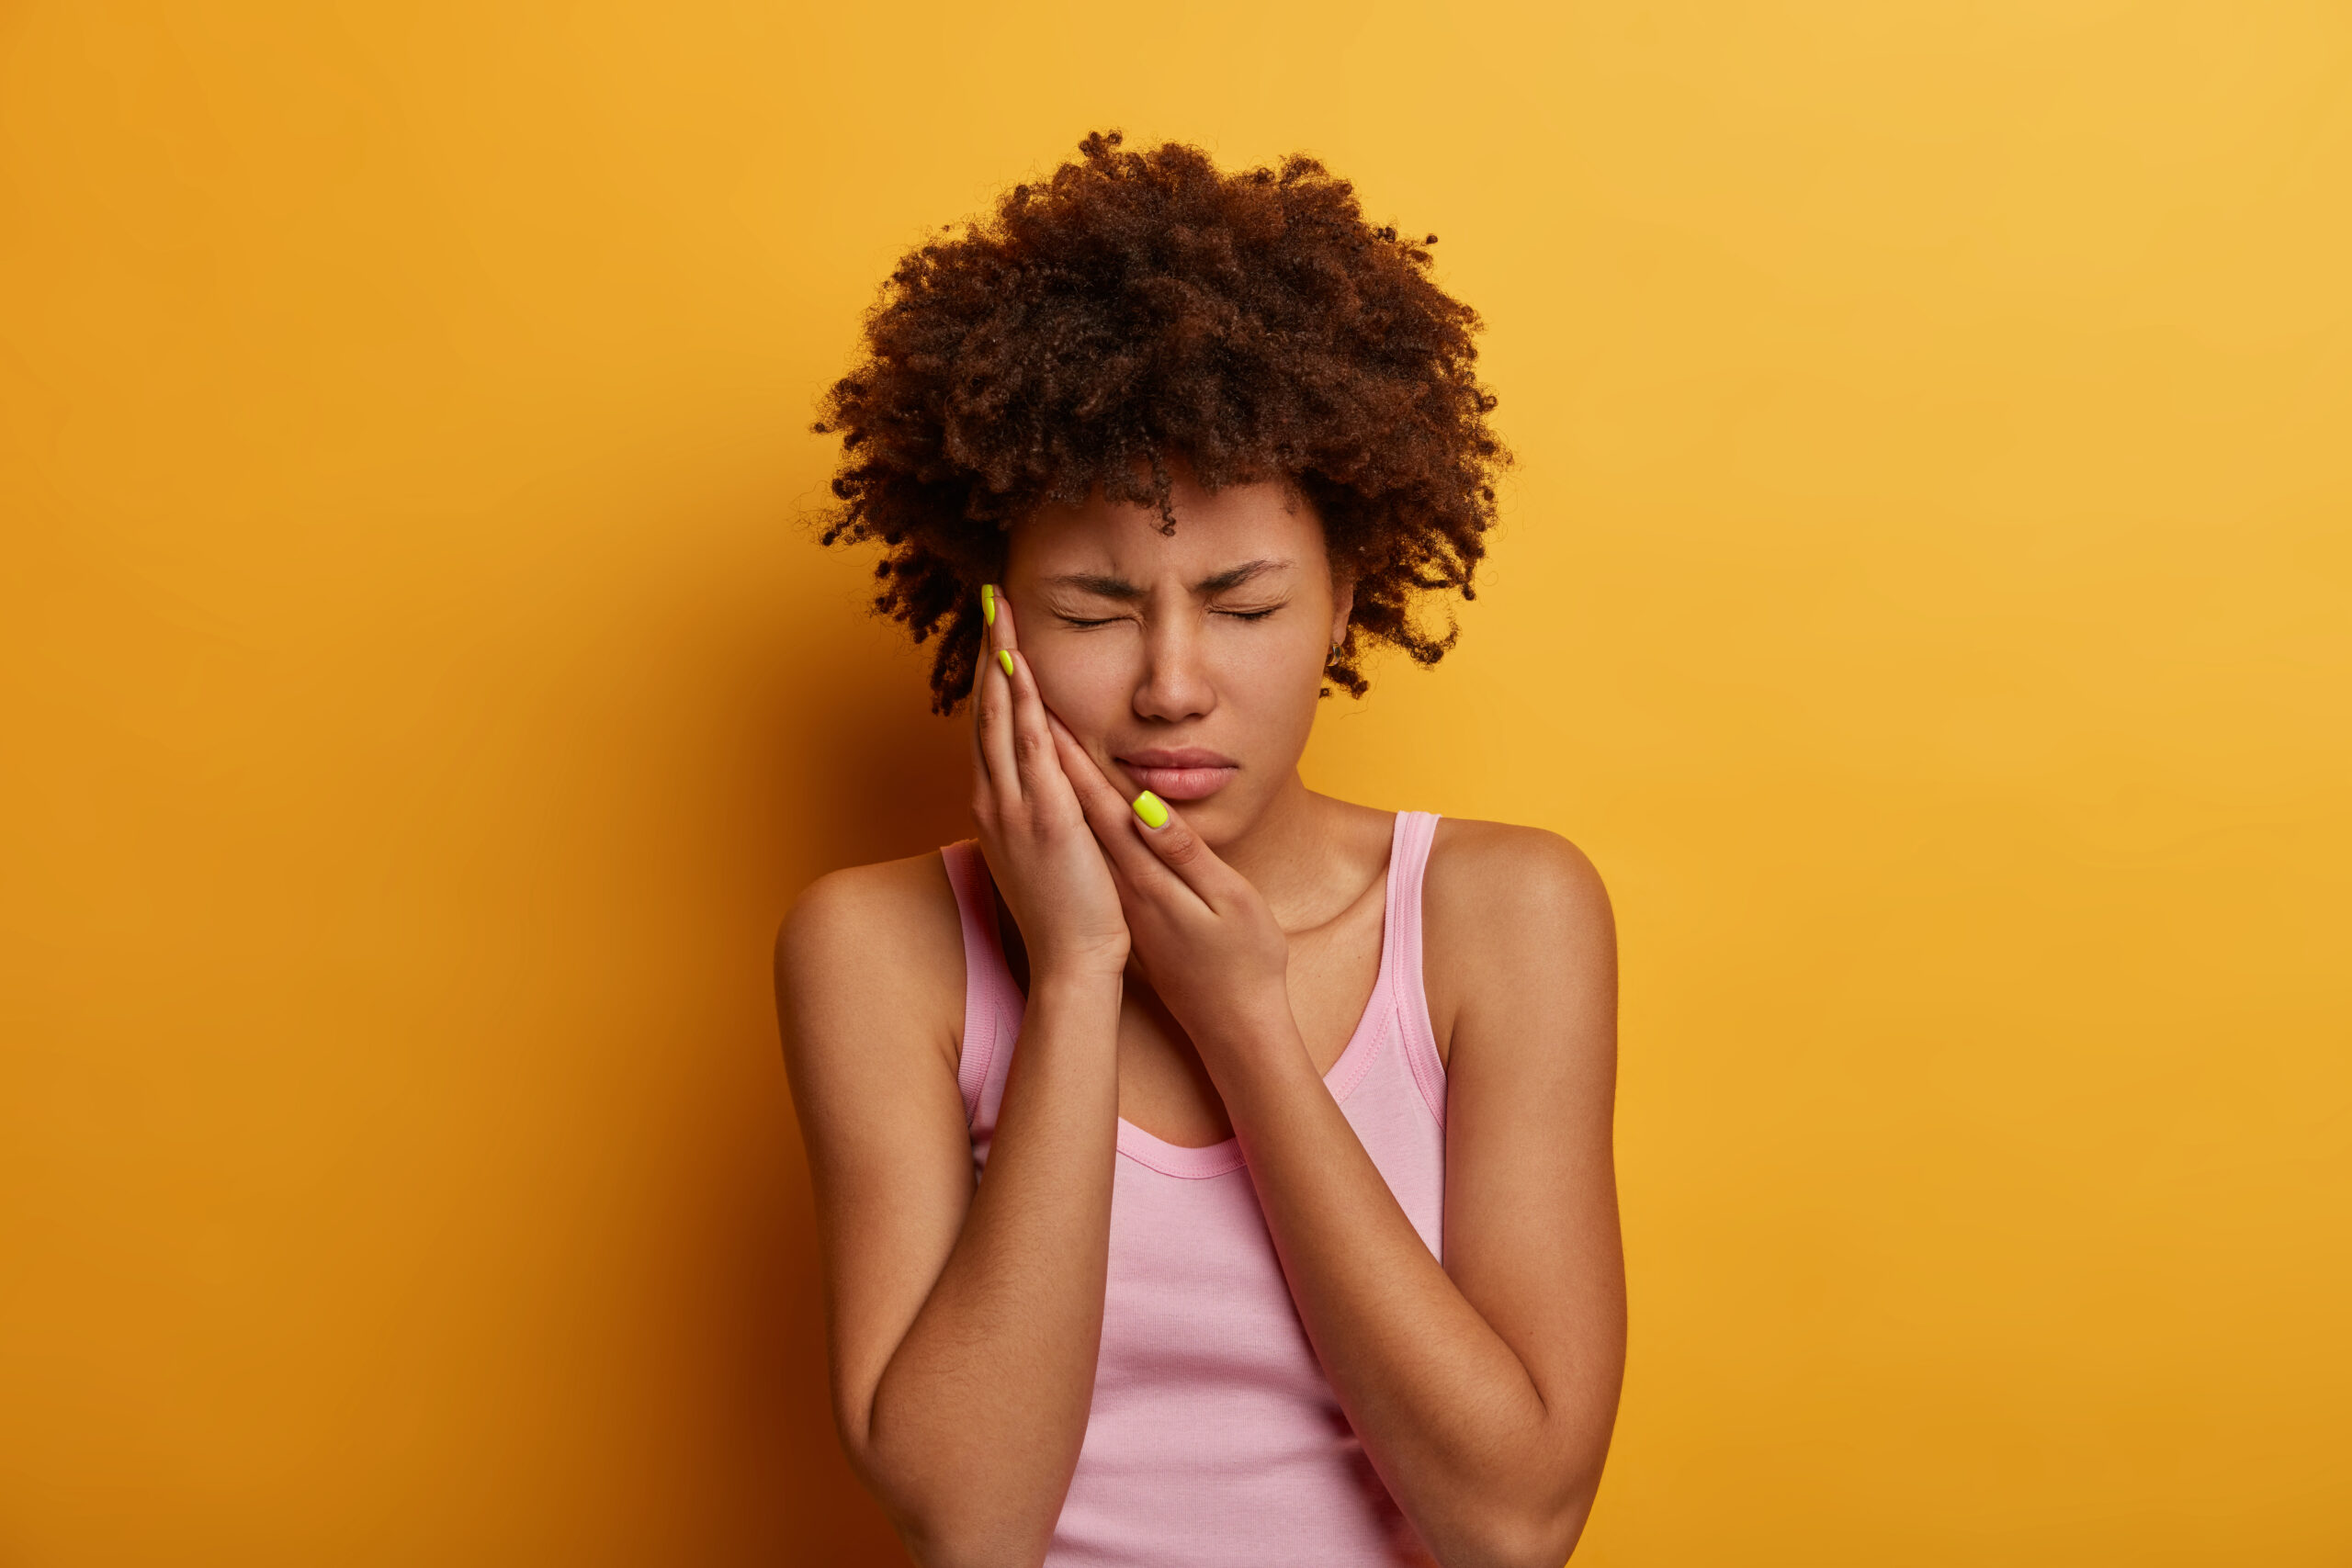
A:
[1209,1171]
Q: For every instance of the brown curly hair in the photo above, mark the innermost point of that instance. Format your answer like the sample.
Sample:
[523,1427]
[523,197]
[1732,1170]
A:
[1141,309]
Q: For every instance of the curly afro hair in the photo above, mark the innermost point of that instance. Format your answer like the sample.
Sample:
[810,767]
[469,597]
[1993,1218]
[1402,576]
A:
[1141,309]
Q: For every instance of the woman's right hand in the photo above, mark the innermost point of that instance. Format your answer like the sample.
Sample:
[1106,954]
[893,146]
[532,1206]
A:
[1043,854]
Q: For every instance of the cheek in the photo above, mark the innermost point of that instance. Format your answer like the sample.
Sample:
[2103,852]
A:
[1299,650]
[1274,681]
[1087,680]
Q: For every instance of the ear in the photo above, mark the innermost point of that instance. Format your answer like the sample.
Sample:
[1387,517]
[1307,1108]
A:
[1344,604]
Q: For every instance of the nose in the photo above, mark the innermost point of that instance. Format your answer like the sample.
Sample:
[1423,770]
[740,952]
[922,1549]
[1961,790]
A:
[1175,684]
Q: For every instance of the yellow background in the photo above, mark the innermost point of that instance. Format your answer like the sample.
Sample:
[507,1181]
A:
[1925,591]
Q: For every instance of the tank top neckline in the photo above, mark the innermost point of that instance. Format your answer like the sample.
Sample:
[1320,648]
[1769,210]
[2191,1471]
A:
[1197,1161]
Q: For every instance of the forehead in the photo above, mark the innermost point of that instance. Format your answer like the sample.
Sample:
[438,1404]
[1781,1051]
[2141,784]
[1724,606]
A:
[1263,520]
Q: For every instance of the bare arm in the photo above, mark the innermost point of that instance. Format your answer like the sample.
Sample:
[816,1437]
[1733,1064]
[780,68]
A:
[963,1323]
[1483,1390]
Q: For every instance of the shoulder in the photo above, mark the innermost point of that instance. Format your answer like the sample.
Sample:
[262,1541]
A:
[1490,879]
[897,905]
[1515,915]
[878,941]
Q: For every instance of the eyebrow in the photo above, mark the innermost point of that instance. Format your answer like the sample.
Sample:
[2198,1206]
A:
[1105,586]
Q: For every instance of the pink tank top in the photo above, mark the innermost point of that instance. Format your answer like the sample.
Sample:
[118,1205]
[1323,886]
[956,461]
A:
[1214,1437]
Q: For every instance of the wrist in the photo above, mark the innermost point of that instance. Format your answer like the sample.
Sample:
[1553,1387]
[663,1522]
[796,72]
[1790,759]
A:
[1256,1037]
[1077,976]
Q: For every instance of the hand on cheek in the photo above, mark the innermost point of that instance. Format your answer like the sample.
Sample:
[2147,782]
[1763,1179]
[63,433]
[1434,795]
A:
[1202,934]
[1036,836]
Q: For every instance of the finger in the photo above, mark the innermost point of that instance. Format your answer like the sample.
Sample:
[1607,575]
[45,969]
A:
[996,618]
[993,711]
[1106,808]
[1172,840]
[1033,743]
[1108,815]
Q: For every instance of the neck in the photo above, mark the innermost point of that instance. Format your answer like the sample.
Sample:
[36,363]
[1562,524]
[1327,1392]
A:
[1294,853]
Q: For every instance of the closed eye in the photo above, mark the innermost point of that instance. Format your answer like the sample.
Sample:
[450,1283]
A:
[1249,615]
[1083,624]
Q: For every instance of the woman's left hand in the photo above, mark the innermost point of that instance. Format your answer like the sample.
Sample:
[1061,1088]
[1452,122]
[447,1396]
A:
[1201,932]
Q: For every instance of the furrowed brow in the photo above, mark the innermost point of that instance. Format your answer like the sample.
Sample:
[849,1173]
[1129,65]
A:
[1101,587]
[1233,577]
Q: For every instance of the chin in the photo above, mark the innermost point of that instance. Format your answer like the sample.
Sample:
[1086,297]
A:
[1218,818]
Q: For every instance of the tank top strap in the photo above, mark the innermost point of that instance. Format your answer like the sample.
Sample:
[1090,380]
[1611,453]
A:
[1410,859]
[992,1004]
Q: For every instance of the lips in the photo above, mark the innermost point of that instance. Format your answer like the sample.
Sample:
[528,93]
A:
[1189,772]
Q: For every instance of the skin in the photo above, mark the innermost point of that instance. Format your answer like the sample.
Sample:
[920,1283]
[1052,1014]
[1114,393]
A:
[1198,980]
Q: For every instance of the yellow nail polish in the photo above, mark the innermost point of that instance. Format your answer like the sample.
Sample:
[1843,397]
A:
[1005,658]
[1151,809]
[988,603]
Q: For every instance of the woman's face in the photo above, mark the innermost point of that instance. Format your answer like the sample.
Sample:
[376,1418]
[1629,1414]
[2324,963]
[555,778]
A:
[1186,663]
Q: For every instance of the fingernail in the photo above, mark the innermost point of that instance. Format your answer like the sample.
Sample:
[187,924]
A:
[1151,809]
[988,603]
[1004,658]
